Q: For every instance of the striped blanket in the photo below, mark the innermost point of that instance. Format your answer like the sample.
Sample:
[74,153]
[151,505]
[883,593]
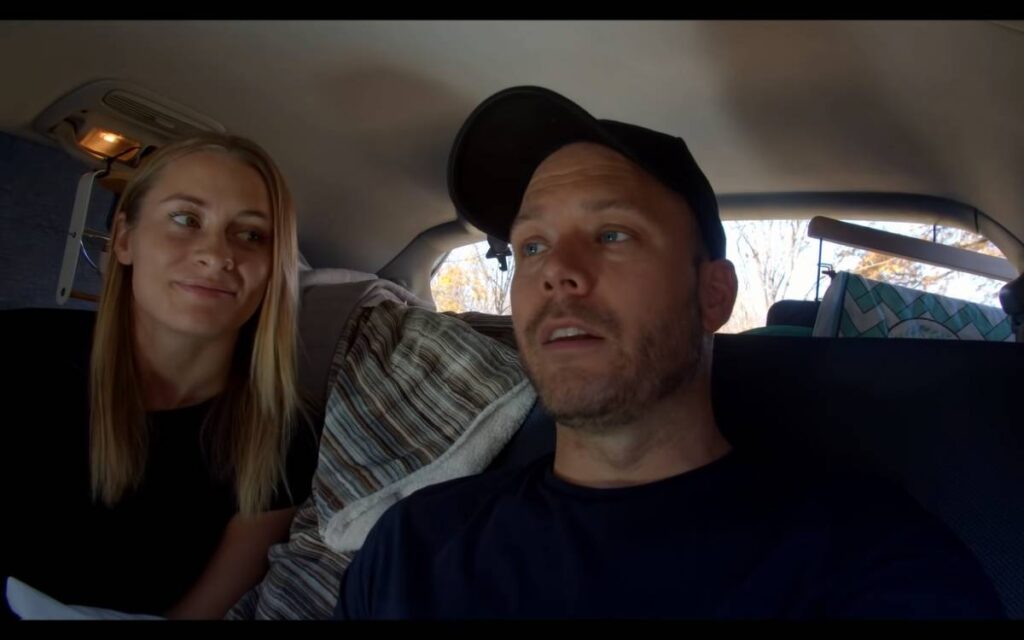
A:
[415,398]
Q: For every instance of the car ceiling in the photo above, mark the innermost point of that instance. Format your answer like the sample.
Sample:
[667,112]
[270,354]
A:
[361,114]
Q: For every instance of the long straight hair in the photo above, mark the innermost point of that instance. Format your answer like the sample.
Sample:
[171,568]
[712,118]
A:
[250,425]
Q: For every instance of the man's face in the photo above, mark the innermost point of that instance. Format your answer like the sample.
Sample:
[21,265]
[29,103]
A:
[605,291]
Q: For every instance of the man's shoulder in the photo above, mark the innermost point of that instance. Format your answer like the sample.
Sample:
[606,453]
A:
[836,499]
[850,494]
[803,481]
[860,509]
[870,530]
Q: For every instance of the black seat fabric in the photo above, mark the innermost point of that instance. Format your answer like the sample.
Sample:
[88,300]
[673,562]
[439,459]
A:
[794,313]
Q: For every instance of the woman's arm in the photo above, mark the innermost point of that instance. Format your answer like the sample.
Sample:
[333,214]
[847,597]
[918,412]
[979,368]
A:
[239,562]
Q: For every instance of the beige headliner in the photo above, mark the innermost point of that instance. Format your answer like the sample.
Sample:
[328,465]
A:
[361,114]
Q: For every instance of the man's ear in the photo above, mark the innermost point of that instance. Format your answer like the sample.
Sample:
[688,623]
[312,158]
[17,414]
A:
[718,286]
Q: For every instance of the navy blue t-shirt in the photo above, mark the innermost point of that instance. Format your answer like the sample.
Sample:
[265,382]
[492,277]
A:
[737,538]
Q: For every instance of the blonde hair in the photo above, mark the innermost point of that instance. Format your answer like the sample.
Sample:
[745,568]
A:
[250,425]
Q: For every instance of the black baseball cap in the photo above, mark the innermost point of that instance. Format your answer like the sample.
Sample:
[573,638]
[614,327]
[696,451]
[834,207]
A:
[512,132]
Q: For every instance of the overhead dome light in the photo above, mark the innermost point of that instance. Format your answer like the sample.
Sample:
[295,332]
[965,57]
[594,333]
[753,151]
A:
[108,144]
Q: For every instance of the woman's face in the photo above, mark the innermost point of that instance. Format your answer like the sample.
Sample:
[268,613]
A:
[201,246]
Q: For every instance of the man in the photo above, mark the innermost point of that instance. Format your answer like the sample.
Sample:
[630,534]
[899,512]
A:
[644,510]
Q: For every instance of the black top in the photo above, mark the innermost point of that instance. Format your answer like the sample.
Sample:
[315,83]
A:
[143,554]
[738,538]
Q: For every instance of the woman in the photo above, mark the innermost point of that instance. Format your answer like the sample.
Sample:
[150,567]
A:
[160,485]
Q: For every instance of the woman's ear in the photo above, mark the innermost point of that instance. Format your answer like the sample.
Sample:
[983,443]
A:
[121,235]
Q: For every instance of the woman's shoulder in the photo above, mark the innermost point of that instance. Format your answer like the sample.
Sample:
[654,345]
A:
[38,333]
[49,315]
[47,368]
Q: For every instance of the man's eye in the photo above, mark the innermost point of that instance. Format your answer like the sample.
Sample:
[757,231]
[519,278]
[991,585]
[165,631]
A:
[614,236]
[533,248]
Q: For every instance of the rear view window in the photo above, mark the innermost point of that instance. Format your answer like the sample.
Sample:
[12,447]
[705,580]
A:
[775,260]
[469,281]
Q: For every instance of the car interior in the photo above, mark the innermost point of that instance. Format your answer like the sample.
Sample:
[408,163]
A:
[837,124]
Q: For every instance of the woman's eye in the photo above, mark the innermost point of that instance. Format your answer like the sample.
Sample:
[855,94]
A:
[253,236]
[185,219]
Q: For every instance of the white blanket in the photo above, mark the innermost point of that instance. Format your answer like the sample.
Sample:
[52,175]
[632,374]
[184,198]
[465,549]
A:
[32,604]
